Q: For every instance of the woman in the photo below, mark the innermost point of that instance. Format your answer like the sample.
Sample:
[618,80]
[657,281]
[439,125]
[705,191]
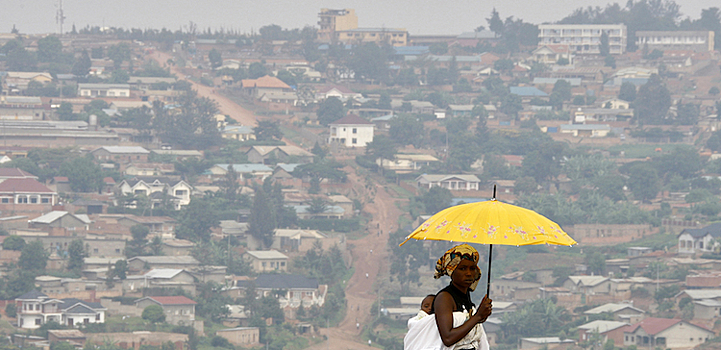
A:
[459,326]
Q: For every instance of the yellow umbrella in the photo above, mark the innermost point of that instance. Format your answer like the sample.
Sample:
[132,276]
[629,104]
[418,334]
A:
[491,222]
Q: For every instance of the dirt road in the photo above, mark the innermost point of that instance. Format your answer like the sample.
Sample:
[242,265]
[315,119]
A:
[225,105]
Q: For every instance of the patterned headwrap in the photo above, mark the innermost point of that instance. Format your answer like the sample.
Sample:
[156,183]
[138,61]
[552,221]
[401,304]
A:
[451,258]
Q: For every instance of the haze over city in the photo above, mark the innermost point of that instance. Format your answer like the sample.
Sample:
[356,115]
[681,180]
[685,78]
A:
[416,16]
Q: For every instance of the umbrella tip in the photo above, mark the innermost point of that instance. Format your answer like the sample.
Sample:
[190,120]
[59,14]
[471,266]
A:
[494,193]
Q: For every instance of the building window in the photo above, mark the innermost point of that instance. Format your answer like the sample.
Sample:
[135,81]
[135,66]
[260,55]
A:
[355,130]
[354,141]
[95,250]
[38,321]
[97,317]
[33,200]
[22,200]
[45,200]
[6,200]
[117,250]
[282,263]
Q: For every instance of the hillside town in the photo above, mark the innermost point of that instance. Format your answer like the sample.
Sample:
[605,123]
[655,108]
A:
[200,189]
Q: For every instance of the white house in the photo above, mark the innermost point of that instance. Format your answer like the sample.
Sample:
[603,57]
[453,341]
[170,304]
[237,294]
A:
[694,240]
[665,333]
[35,308]
[351,131]
[104,90]
[158,189]
[458,182]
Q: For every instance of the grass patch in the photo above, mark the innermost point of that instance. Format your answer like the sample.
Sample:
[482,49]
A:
[642,150]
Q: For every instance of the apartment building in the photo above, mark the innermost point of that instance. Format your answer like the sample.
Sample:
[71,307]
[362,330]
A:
[698,41]
[332,21]
[584,38]
[379,36]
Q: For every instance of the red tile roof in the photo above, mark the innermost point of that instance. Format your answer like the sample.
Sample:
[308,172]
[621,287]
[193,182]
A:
[177,300]
[23,185]
[351,119]
[652,325]
[15,172]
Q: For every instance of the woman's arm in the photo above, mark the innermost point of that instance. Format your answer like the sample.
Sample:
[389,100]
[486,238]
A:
[444,306]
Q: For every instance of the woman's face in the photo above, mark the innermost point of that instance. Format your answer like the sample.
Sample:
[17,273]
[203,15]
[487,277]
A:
[465,273]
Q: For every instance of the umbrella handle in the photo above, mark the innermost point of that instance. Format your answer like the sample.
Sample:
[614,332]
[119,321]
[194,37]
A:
[488,285]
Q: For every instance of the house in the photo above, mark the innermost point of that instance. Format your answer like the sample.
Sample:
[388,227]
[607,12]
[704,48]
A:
[266,260]
[588,285]
[159,189]
[351,131]
[295,240]
[121,154]
[544,342]
[238,132]
[297,289]
[263,86]
[147,83]
[451,182]
[160,279]
[278,154]
[58,218]
[175,247]
[407,163]
[706,309]
[341,92]
[245,171]
[103,90]
[179,310]
[697,41]
[179,154]
[17,82]
[584,38]
[696,240]
[527,91]
[665,333]
[550,54]
[142,263]
[24,108]
[35,308]
[28,191]
[608,330]
[241,336]
[72,336]
[620,311]
[332,21]
[329,212]
[379,36]
[15,173]
[149,169]
[586,130]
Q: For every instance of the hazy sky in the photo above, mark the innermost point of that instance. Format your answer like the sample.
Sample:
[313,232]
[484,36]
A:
[417,16]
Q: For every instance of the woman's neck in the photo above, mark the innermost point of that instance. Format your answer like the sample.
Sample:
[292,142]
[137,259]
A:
[463,289]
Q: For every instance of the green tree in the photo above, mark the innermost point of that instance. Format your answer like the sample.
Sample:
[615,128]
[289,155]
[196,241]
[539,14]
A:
[84,175]
[269,308]
[369,62]
[11,310]
[192,125]
[407,130]
[33,257]
[196,220]
[495,24]
[643,180]
[436,199]
[216,60]
[65,111]
[525,185]
[268,130]
[652,102]
[154,314]
[50,49]
[76,253]
[21,60]
[121,269]
[596,263]
[627,92]
[262,221]
[13,242]
[511,105]
[257,70]
[603,46]
[330,110]
[563,87]
[119,53]
[382,147]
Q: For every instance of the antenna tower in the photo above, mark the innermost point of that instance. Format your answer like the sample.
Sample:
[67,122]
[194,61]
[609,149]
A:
[60,16]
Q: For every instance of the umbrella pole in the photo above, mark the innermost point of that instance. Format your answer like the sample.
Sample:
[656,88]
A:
[488,285]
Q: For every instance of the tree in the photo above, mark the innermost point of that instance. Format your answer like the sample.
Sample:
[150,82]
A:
[436,199]
[136,246]
[13,242]
[196,220]
[50,49]
[262,222]
[21,60]
[627,92]
[330,110]
[84,175]
[595,262]
[257,70]
[503,65]
[495,24]
[369,62]
[406,130]
[563,87]
[33,257]
[511,105]
[11,310]
[525,185]
[154,314]
[121,269]
[215,58]
[76,253]
[192,125]
[609,61]
[317,206]
[268,130]
[652,102]
[603,46]
[269,308]
[119,53]
[643,180]
[382,147]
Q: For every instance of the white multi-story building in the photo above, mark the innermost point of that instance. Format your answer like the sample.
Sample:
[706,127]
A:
[699,41]
[584,38]
[34,309]
[351,131]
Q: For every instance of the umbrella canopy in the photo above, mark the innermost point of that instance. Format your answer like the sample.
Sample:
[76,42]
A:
[491,222]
